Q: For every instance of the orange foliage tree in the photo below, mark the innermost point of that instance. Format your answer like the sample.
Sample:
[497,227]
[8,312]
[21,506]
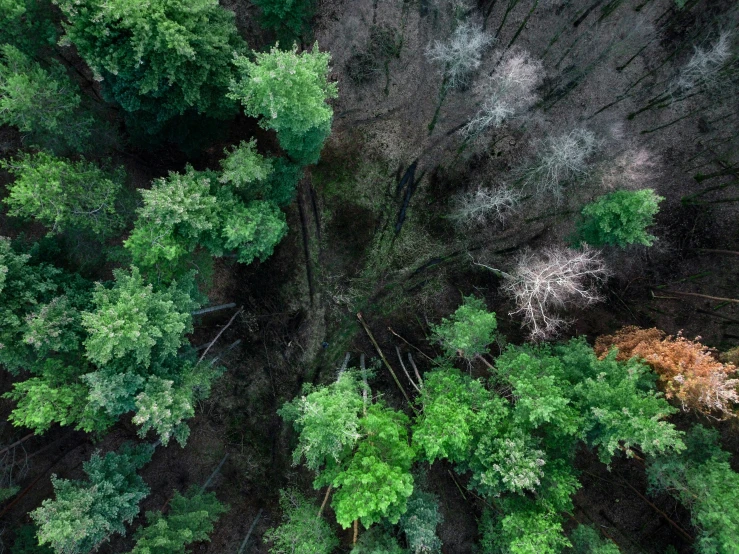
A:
[687,369]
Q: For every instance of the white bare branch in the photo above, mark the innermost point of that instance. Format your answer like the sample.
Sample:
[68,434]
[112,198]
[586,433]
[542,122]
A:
[704,67]
[461,55]
[508,92]
[543,283]
[484,206]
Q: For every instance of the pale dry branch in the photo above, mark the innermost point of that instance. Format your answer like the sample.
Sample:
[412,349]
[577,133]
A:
[460,56]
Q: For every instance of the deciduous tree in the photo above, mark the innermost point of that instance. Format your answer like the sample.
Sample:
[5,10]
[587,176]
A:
[300,531]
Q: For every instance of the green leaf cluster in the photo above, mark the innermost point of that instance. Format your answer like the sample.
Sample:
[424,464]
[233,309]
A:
[221,213]
[586,540]
[289,92]
[84,514]
[300,532]
[190,519]
[362,451]
[377,541]
[157,59]
[43,103]
[469,330]
[420,521]
[29,25]
[702,480]
[65,195]
[619,218]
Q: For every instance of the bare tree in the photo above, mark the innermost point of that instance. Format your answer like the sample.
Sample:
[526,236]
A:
[543,283]
[559,159]
[461,55]
[508,92]
[484,205]
[704,67]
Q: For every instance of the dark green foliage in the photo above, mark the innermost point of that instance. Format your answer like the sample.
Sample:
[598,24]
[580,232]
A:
[619,218]
[289,92]
[84,514]
[377,541]
[29,25]
[586,540]
[300,532]
[288,18]
[65,195]
[190,519]
[702,479]
[26,542]
[157,60]
[469,331]
[43,103]
[420,521]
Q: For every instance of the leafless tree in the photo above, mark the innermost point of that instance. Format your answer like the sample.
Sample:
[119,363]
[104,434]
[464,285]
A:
[560,159]
[484,205]
[461,55]
[508,92]
[704,67]
[546,282]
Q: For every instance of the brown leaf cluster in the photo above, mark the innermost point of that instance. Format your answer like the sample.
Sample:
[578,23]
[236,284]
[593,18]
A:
[687,369]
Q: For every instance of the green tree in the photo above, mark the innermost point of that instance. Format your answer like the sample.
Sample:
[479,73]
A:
[289,18]
[300,531]
[377,541]
[185,211]
[586,540]
[619,218]
[289,92]
[29,25]
[157,59]
[84,514]
[133,321]
[702,479]
[420,521]
[26,542]
[523,528]
[65,195]
[469,331]
[44,104]
[190,519]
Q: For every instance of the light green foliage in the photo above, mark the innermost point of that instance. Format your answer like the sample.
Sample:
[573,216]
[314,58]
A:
[289,92]
[377,541]
[157,59]
[420,521]
[190,519]
[244,168]
[619,218]
[300,531]
[84,514]
[327,421]
[44,104]
[522,529]
[188,210]
[376,482]
[26,542]
[615,403]
[702,479]
[289,18]
[456,411]
[586,540]
[509,463]
[133,321]
[65,195]
[469,331]
[165,404]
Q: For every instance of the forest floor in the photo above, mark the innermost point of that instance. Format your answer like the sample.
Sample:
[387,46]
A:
[343,254]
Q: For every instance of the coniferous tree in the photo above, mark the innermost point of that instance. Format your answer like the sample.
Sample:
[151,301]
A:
[190,519]
[65,195]
[44,104]
[288,91]
[300,531]
[157,59]
[84,514]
